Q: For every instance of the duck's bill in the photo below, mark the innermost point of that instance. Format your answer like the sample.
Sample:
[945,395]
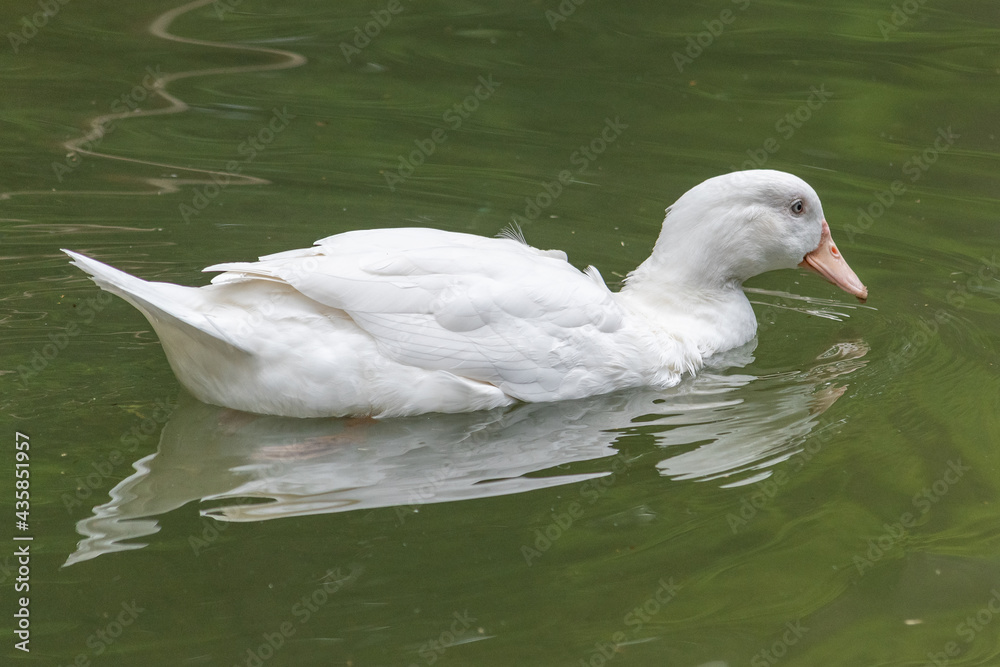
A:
[827,261]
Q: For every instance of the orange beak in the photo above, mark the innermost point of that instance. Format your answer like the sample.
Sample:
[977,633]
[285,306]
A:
[827,261]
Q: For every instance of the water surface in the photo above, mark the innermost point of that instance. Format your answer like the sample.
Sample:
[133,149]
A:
[829,500]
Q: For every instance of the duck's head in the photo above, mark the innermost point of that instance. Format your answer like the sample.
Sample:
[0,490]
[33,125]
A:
[735,226]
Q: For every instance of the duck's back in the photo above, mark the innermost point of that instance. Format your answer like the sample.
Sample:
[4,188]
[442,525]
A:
[395,322]
[492,310]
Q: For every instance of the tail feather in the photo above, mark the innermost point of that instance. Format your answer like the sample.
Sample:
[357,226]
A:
[166,306]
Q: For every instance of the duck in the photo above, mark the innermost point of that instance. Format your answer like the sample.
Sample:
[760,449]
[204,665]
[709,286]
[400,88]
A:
[400,322]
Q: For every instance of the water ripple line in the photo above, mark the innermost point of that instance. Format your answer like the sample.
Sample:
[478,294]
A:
[160,27]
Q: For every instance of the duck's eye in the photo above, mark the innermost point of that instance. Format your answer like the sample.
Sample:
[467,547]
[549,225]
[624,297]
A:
[798,207]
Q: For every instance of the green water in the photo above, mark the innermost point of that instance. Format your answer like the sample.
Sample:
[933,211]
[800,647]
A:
[832,502]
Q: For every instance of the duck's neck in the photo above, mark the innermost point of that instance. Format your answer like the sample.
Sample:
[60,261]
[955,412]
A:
[690,301]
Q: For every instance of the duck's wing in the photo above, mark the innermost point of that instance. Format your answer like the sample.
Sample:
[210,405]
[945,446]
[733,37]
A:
[492,310]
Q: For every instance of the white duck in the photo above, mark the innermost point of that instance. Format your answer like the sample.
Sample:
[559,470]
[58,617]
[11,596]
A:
[393,322]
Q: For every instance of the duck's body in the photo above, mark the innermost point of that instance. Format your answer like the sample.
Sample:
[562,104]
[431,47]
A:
[403,321]
[399,322]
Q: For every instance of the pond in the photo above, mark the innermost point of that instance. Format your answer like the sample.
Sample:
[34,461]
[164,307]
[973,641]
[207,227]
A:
[831,499]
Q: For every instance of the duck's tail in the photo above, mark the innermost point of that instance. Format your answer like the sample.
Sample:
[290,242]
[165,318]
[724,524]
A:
[174,311]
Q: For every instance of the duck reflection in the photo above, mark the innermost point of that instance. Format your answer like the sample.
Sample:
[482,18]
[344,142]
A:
[719,426]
